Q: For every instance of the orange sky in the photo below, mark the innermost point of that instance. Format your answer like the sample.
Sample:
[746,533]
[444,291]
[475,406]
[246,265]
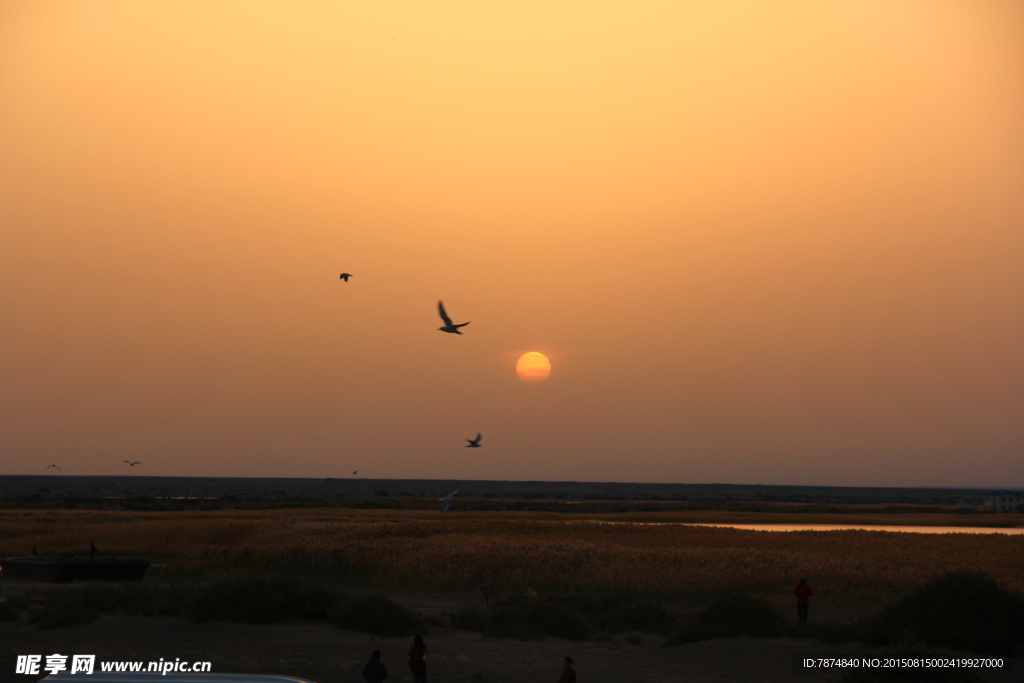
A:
[777,243]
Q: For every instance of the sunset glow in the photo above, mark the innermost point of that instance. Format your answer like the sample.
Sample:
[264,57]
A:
[533,367]
[774,242]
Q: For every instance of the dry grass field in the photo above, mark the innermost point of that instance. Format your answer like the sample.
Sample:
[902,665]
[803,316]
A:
[851,571]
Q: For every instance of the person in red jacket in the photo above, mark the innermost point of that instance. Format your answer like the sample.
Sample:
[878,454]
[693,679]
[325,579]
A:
[418,659]
[802,592]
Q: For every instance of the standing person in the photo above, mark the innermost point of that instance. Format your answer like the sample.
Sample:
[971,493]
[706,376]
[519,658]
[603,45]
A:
[92,550]
[418,660]
[374,671]
[802,592]
[568,673]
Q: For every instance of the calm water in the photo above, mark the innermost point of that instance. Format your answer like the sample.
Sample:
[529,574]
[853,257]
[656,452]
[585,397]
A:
[878,527]
[845,527]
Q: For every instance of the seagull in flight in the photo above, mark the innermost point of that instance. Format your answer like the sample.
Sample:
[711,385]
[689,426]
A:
[346,276]
[133,463]
[447,500]
[49,466]
[475,443]
[448,326]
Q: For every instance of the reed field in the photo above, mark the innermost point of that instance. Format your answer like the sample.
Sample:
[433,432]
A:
[851,571]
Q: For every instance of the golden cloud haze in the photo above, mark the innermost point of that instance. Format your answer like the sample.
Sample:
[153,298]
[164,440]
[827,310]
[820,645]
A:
[771,242]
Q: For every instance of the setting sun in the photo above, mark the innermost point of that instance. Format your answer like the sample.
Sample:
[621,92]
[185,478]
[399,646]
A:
[533,367]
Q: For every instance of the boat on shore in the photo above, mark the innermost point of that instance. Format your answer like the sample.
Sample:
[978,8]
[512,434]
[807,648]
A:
[34,568]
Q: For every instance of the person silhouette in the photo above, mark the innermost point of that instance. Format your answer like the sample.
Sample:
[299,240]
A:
[418,660]
[92,550]
[568,673]
[374,671]
[803,593]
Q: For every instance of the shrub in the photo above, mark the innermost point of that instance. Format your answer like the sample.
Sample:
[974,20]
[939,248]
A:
[961,610]
[617,612]
[70,606]
[375,614]
[260,601]
[727,618]
[7,613]
[527,619]
[62,611]
[470,619]
[594,604]
[577,617]
[638,616]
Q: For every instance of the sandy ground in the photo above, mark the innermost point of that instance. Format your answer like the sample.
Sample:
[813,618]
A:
[324,654]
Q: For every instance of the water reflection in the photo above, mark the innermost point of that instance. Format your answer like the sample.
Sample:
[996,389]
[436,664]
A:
[873,527]
[1013,531]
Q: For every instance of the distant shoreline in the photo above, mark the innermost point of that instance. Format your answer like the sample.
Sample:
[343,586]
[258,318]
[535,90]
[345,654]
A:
[64,486]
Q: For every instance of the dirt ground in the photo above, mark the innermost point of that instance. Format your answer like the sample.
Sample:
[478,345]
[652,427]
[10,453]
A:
[322,653]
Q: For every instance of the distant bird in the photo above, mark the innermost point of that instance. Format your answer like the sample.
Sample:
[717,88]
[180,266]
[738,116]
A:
[133,463]
[49,466]
[475,443]
[447,500]
[354,472]
[346,276]
[448,326]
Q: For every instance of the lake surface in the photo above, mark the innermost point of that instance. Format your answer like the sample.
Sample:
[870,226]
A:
[874,527]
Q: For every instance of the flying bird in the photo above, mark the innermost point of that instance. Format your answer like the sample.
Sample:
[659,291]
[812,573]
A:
[49,466]
[133,463]
[475,443]
[346,276]
[448,326]
[447,500]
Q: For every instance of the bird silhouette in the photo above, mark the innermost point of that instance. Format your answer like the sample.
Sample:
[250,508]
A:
[133,463]
[448,326]
[447,500]
[346,276]
[49,466]
[475,443]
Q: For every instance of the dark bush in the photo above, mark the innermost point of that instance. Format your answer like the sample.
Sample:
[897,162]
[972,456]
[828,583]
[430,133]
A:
[962,610]
[727,618]
[62,610]
[470,619]
[576,617]
[638,616]
[70,606]
[526,618]
[260,601]
[7,613]
[595,604]
[375,614]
